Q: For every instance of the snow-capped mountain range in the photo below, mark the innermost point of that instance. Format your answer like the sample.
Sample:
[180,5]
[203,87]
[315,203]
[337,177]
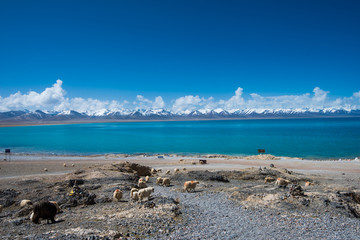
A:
[163,114]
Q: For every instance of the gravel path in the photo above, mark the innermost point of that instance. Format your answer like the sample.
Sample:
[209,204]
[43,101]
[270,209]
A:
[214,216]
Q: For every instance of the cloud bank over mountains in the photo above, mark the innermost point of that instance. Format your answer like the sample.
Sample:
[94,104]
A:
[54,99]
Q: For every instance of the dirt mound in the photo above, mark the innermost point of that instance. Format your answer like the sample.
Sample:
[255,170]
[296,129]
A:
[128,167]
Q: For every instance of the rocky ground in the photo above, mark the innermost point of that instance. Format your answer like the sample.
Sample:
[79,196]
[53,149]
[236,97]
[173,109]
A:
[225,205]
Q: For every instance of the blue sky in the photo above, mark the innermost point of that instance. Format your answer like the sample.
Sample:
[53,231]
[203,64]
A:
[116,50]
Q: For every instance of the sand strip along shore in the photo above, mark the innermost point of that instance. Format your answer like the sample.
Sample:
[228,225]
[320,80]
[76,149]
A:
[30,165]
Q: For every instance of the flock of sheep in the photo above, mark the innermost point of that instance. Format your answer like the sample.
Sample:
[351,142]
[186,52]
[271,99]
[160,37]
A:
[48,209]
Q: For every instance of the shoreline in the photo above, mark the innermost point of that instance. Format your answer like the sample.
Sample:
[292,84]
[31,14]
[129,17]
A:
[54,123]
[31,165]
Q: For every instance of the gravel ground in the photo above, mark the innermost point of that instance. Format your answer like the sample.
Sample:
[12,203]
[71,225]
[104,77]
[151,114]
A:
[229,220]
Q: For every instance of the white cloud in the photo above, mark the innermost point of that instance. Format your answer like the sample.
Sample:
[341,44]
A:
[53,98]
[49,98]
[235,102]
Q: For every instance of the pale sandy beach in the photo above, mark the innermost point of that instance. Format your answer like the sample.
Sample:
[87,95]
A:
[32,164]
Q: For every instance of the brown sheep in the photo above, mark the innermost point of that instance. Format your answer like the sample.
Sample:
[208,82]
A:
[281,182]
[190,185]
[117,195]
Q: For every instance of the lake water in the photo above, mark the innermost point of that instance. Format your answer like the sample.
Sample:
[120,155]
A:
[308,138]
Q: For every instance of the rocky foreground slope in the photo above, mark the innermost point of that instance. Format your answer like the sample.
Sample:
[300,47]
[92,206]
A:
[225,205]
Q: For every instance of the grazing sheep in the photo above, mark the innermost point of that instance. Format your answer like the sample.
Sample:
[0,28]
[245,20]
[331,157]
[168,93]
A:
[167,172]
[159,170]
[159,180]
[117,195]
[45,169]
[281,182]
[1,208]
[166,182]
[269,179]
[153,171]
[142,183]
[176,170]
[44,210]
[147,178]
[309,184]
[145,193]
[134,194]
[25,202]
[64,164]
[190,185]
[184,169]
[73,165]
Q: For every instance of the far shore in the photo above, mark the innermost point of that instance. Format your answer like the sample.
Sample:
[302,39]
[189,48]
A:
[80,121]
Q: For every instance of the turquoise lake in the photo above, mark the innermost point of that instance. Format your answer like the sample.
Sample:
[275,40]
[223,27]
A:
[308,138]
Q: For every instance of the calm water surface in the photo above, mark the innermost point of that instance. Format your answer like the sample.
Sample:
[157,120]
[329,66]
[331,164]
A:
[310,138]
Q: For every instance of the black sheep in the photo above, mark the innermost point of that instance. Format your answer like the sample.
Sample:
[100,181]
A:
[44,210]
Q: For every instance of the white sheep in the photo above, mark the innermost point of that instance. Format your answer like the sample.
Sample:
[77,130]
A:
[167,172]
[145,193]
[147,178]
[64,164]
[269,179]
[134,194]
[190,185]
[117,195]
[153,171]
[184,169]
[45,169]
[176,170]
[159,170]
[159,180]
[166,182]
[281,182]
[25,202]
[73,165]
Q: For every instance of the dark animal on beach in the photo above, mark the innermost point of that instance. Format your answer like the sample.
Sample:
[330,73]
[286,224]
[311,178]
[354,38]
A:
[44,210]
[261,150]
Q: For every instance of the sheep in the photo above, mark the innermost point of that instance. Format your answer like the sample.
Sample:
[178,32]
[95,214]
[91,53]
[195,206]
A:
[166,182]
[134,194]
[281,182]
[184,169]
[45,169]
[159,170]
[308,184]
[147,178]
[145,193]
[142,183]
[153,171]
[64,164]
[56,205]
[167,172]
[25,202]
[1,208]
[44,210]
[117,195]
[188,185]
[176,170]
[159,180]
[269,179]
[73,165]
